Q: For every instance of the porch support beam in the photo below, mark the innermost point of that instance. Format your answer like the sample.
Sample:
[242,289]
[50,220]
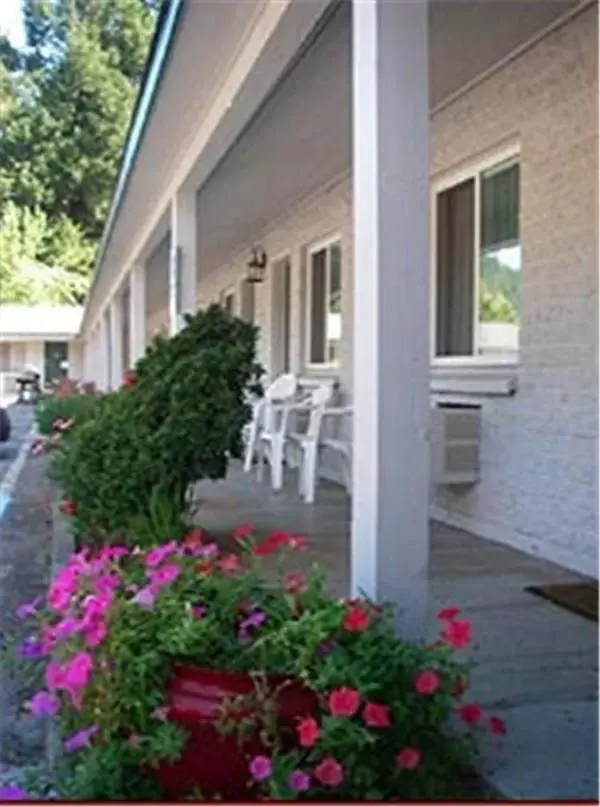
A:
[116,352]
[104,363]
[137,313]
[390,524]
[182,257]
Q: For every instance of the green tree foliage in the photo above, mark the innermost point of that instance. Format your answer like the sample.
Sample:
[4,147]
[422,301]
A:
[65,105]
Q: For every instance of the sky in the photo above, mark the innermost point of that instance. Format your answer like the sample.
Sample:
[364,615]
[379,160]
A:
[10,21]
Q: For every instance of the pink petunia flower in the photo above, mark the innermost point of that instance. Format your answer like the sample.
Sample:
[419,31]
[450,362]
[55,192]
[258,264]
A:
[44,704]
[261,768]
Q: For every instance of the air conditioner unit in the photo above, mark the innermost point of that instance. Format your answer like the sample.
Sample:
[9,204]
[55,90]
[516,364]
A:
[455,442]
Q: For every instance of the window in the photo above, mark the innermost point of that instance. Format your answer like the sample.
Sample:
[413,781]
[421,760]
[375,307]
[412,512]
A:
[325,304]
[478,265]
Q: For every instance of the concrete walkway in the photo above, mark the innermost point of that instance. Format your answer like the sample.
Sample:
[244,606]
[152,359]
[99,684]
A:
[536,664]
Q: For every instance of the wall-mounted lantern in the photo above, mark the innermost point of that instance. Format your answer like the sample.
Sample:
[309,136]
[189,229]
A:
[257,265]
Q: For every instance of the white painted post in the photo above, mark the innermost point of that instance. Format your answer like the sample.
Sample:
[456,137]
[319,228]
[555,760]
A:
[104,352]
[137,313]
[116,339]
[390,524]
[182,258]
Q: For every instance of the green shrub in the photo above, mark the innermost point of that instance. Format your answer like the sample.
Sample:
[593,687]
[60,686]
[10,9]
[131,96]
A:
[177,421]
[75,406]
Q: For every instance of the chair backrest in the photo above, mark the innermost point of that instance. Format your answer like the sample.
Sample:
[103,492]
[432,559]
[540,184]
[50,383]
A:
[283,388]
[319,398]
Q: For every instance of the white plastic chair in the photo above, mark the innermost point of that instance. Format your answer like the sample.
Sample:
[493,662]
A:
[283,388]
[307,443]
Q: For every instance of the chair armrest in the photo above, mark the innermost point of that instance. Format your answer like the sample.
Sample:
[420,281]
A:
[337,411]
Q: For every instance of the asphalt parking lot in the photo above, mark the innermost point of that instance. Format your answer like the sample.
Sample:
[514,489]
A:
[21,418]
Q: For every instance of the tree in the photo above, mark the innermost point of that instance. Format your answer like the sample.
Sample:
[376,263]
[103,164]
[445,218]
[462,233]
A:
[65,104]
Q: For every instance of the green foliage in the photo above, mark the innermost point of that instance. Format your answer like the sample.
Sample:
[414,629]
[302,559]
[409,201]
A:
[52,409]
[65,104]
[208,617]
[178,423]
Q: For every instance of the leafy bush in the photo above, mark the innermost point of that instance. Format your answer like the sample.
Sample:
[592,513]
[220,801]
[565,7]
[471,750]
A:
[118,620]
[176,420]
[54,410]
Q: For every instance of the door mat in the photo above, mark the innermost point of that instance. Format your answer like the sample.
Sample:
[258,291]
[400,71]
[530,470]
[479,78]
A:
[579,598]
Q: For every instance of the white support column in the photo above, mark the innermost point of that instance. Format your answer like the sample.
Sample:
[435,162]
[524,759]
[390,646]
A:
[104,352]
[182,258]
[137,313]
[116,341]
[390,524]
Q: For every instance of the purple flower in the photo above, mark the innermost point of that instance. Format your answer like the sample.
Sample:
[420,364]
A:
[27,609]
[261,768]
[298,781]
[199,611]
[324,648]
[80,739]
[44,704]
[13,793]
[31,649]
[255,619]
[145,597]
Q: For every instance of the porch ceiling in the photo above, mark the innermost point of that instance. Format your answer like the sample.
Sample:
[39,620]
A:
[302,134]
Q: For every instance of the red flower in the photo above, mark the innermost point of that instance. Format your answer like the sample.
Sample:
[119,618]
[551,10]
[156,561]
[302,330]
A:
[344,702]
[459,687]
[308,732]
[497,725]
[68,507]
[356,618]
[271,544]
[193,539]
[243,533]
[298,543]
[329,772]
[295,582]
[450,612]
[129,379]
[205,567]
[376,715]
[408,759]
[230,564]
[470,713]
[427,682]
[458,633]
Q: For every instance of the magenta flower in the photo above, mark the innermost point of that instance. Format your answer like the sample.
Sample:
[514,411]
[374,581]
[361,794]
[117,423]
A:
[95,634]
[77,673]
[261,768]
[107,583]
[156,556]
[81,739]
[28,609]
[13,793]
[44,704]
[299,781]
[165,575]
[48,639]
[66,627]
[31,649]
[199,611]
[55,676]
[145,597]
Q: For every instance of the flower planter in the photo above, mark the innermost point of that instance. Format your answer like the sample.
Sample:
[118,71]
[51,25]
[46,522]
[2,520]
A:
[215,763]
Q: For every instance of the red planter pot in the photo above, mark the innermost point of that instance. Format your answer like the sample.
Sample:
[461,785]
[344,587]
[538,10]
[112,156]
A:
[217,764]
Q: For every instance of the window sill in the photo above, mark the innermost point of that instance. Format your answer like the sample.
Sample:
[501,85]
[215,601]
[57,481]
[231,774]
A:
[474,378]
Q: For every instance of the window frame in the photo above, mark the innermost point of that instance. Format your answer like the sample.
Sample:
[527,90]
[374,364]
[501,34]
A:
[312,249]
[474,170]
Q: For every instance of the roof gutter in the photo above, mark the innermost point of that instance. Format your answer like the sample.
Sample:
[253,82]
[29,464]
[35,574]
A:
[166,25]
